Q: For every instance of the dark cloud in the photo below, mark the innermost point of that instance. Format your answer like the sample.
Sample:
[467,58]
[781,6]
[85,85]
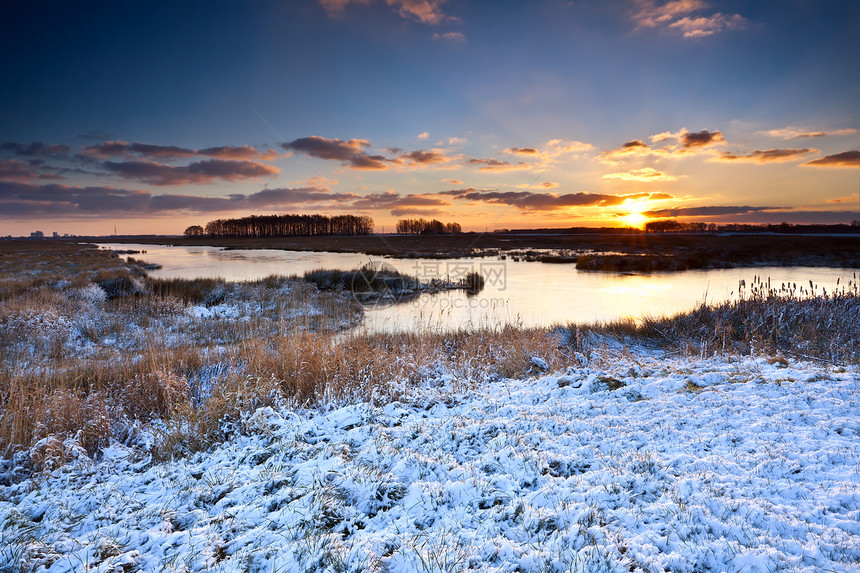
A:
[761,215]
[106,149]
[767,155]
[295,196]
[845,159]
[490,164]
[23,170]
[116,148]
[197,172]
[402,203]
[634,144]
[161,151]
[56,200]
[705,211]
[245,152]
[362,161]
[109,149]
[324,148]
[35,149]
[350,153]
[522,150]
[425,157]
[528,200]
[700,138]
[194,203]
[416,211]
[96,135]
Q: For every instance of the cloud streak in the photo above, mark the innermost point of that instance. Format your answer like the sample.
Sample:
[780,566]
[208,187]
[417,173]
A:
[845,159]
[531,201]
[111,149]
[350,153]
[424,11]
[194,173]
[705,211]
[643,175]
[799,133]
[678,15]
[766,156]
[35,149]
[58,200]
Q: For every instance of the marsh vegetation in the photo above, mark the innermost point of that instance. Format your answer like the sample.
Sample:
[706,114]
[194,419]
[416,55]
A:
[93,350]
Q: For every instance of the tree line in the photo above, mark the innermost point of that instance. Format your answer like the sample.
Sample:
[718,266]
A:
[268,226]
[672,226]
[425,227]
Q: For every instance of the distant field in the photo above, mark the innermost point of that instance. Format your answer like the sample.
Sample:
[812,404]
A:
[665,251]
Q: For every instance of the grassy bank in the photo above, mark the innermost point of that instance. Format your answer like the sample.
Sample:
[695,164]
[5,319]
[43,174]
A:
[92,350]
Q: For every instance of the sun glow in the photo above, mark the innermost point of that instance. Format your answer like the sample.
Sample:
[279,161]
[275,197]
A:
[635,219]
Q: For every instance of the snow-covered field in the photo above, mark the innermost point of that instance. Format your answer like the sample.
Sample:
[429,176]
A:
[628,463]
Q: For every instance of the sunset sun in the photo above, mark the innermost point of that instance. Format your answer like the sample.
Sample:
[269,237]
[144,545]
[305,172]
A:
[635,219]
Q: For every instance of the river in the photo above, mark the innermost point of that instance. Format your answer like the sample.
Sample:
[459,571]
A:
[516,292]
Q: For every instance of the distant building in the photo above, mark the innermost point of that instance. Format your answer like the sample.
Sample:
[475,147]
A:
[37,235]
[56,235]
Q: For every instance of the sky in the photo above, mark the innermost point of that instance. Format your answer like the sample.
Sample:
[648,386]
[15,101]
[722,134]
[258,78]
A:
[149,117]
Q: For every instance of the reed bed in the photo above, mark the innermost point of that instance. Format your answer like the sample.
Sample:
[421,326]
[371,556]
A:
[797,319]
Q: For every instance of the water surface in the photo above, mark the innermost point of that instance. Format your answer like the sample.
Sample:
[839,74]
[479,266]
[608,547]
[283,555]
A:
[516,292]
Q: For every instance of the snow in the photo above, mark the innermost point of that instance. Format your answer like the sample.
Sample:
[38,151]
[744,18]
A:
[634,463]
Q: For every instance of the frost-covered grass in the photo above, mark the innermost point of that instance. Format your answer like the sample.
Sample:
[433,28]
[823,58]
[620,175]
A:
[627,462]
[167,364]
[202,425]
[92,349]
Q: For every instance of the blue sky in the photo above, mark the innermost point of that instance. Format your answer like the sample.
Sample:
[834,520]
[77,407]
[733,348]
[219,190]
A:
[152,116]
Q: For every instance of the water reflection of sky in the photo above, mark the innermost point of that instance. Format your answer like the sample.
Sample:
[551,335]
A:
[516,292]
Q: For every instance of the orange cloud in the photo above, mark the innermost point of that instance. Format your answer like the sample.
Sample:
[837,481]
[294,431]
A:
[677,15]
[644,175]
[424,11]
[687,143]
[798,133]
[707,26]
[847,199]
[545,185]
[844,159]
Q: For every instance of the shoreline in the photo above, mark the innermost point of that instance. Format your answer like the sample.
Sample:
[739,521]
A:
[599,252]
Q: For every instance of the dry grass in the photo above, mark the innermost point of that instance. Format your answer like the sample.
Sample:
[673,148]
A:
[104,353]
[176,364]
